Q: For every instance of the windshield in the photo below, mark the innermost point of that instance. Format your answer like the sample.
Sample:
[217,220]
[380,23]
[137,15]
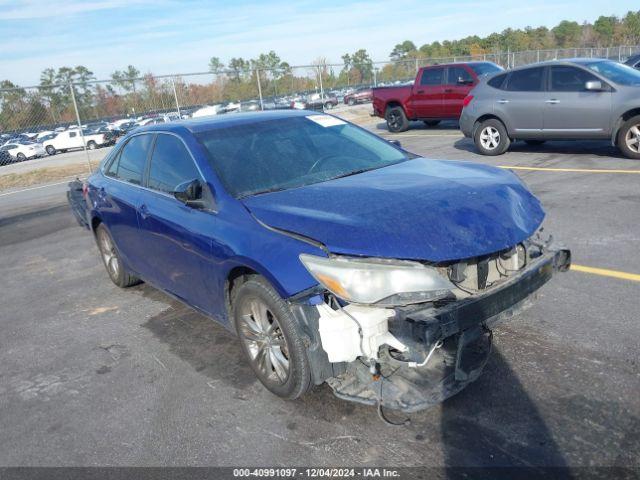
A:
[291,152]
[484,68]
[616,72]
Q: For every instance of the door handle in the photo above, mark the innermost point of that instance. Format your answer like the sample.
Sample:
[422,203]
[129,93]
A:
[448,90]
[144,211]
[503,101]
[553,101]
[420,91]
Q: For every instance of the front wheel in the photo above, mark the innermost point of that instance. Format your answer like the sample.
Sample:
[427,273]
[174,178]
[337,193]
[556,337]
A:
[629,138]
[351,102]
[328,106]
[50,150]
[396,120]
[92,145]
[271,338]
[491,138]
[21,157]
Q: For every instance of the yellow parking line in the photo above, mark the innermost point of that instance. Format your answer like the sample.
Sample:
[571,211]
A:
[607,273]
[581,170]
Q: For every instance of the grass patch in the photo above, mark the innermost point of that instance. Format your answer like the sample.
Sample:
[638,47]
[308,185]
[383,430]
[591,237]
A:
[41,175]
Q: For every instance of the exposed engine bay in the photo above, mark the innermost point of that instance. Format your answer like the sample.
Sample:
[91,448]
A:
[409,357]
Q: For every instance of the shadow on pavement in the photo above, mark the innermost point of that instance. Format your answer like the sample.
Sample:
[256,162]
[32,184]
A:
[591,147]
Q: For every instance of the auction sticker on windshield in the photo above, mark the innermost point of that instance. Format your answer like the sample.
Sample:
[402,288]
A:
[326,120]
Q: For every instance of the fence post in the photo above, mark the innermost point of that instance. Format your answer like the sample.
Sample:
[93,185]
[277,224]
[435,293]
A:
[538,56]
[375,77]
[175,95]
[320,68]
[417,67]
[259,89]
[75,107]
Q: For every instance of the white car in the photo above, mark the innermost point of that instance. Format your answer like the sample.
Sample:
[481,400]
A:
[70,139]
[24,151]
[206,111]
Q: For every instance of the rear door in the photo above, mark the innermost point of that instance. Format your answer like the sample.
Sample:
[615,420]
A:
[119,198]
[177,247]
[520,102]
[459,83]
[572,111]
[428,94]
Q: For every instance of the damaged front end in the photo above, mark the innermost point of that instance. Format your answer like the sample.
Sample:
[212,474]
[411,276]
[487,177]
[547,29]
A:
[414,349]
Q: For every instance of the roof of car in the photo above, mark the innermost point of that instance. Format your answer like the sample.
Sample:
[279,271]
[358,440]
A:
[203,124]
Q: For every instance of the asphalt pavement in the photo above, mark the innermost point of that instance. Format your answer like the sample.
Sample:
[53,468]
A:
[94,375]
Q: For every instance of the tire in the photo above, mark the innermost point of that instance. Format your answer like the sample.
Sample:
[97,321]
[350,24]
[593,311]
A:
[328,106]
[256,307]
[534,142]
[351,102]
[111,259]
[432,123]
[629,138]
[21,157]
[92,145]
[491,137]
[50,150]
[396,120]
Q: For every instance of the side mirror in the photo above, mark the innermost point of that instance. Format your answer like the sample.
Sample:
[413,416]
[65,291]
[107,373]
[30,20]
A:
[396,143]
[190,193]
[593,86]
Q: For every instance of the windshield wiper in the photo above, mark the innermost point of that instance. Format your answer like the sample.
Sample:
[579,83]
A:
[355,172]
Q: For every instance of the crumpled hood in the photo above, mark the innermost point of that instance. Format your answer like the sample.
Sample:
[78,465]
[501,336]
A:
[419,209]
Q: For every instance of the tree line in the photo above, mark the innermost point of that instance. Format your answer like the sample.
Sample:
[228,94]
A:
[129,92]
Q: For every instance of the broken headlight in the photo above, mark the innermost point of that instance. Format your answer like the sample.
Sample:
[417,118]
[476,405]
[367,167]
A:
[378,281]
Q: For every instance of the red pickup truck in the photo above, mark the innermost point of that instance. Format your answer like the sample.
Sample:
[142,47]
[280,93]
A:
[437,94]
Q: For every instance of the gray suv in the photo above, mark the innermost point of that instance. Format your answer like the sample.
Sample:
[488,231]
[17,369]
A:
[558,100]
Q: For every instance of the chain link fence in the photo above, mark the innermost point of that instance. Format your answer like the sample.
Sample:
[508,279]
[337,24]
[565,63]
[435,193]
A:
[80,120]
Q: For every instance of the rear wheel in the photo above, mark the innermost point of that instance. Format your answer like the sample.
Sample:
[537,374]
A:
[351,102]
[92,145]
[432,123]
[111,259]
[629,138]
[50,150]
[271,338]
[328,106]
[21,157]
[396,120]
[491,137]
[534,142]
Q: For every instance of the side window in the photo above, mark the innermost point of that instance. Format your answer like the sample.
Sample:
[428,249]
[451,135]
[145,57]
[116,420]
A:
[569,79]
[497,81]
[129,165]
[72,134]
[459,76]
[527,80]
[171,164]
[432,76]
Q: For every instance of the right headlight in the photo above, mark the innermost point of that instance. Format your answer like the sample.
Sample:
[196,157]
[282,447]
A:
[377,281]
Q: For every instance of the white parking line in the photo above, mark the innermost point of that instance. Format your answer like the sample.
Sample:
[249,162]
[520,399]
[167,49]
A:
[40,186]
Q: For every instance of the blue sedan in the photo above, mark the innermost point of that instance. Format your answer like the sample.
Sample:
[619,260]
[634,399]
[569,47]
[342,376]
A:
[334,255]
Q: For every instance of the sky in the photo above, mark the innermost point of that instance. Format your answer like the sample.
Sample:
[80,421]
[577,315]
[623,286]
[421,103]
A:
[179,36]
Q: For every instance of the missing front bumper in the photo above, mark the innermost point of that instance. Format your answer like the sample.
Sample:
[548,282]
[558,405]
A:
[464,328]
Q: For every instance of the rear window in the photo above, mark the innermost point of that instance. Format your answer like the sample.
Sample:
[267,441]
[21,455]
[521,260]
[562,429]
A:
[432,76]
[527,80]
[129,165]
[484,68]
[497,81]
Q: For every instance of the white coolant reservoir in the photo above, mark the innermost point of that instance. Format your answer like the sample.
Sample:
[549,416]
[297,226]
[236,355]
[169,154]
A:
[340,337]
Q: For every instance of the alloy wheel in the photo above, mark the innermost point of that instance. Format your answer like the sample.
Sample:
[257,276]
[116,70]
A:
[109,255]
[490,138]
[261,333]
[394,120]
[632,139]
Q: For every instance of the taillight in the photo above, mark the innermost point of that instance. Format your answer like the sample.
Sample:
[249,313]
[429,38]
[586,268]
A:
[467,100]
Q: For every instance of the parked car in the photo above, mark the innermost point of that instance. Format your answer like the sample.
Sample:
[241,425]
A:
[559,100]
[361,95]
[5,157]
[72,139]
[436,94]
[24,150]
[315,101]
[634,61]
[333,254]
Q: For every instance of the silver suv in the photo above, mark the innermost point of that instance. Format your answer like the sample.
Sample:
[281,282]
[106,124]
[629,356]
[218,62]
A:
[559,100]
